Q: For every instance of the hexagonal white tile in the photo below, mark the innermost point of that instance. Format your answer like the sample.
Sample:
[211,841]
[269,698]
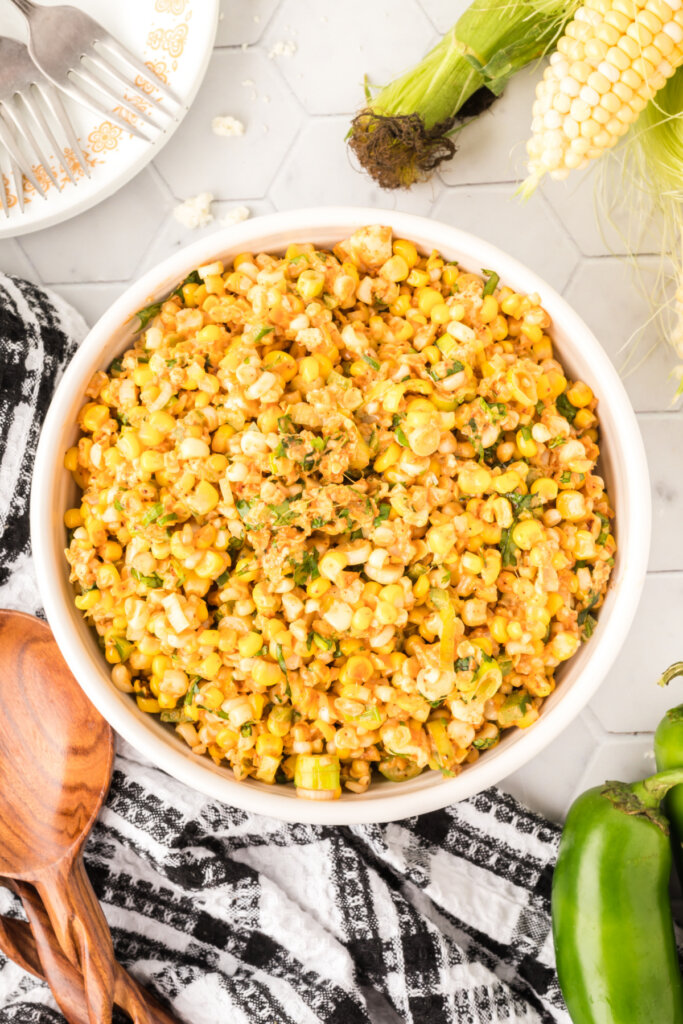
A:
[663,437]
[13,260]
[320,170]
[334,47]
[623,758]
[243,22]
[492,148]
[547,782]
[93,301]
[494,213]
[245,86]
[105,243]
[630,700]
[173,235]
[645,362]
[602,215]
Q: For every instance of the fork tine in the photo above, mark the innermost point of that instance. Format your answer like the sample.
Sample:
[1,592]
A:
[73,89]
[3,195]
[89,74]
[34,108]
[125,55]
[100,61]
[34,149]
[18,182]
[18,158]
[56,107]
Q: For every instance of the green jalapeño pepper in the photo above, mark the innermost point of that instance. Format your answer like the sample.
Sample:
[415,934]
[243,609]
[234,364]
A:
[612,924]
[669,754]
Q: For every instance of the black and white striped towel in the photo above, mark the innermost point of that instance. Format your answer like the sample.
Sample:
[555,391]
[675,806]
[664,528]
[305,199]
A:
[228,916]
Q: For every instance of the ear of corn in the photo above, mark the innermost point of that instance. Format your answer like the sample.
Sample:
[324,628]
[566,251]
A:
[615,55]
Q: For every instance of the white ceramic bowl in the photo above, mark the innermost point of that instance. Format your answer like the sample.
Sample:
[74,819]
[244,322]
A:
[623,464]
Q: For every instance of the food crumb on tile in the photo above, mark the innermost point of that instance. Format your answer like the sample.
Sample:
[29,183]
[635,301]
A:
[227,126]
[195,212]
[283,48]
[236,215]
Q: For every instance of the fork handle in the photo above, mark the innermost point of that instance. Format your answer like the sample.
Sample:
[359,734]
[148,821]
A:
[25,6]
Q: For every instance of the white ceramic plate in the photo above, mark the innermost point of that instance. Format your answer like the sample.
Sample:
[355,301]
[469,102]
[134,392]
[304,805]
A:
[623,464]
[174,37]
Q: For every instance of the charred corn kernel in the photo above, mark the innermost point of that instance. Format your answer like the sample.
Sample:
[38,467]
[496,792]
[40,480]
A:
[358,669]
[316,588]
[402,247]
[219,442]
[571,505]
[149,704]
[73,518]
[545,488]
[94,416]
[527,533]
[388,458]
[427,299]
[250,644]
[268,745]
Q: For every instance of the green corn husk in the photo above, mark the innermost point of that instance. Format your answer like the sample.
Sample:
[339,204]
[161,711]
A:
[406,130]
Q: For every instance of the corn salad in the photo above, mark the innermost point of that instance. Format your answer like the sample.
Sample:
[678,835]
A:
[339,511]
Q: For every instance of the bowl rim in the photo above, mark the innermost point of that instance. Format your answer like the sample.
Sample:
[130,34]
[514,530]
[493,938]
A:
[396,803]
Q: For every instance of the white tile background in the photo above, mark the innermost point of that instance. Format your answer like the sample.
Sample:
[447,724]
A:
[293,153]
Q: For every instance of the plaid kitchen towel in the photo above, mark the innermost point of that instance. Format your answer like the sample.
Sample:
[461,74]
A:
[229,916]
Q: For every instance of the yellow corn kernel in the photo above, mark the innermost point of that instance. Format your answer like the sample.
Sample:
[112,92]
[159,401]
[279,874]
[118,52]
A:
[473,612]
[149,435]
[527,533]
[526,444]
[107,576]
[440,313]
[73,518]
[498,628]
[545,488]
[554,603]
[506,482]
[310,284]
[71,460]
[142,375]
[221,437]
[511,305]
[266,673]
[93,416]
[361,620]
[571,505]
[564,645]
[129,444]
[166,701]
[246,570]
[421,587]
[471,563]
[579,394]
[441,539]
[388,458]
[149,704]
[268,745]
[418,278]
[85,602]
[474,481]
[515,630]
[316,588]
[584,544]
[489,309]
[227,738]
[309,369]
[162,421]
[401,306]
[395,269]
[402,247]
[204,498]
[211,565]
[332,563]
[358,669]
[281,363]
[209,333]
[250,644]
[427,299]
[212,696]
[151,462]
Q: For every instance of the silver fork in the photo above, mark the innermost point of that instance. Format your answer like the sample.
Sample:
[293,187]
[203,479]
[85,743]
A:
[75,52]
[23,92]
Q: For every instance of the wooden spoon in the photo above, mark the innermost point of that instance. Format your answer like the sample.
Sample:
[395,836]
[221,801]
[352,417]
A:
[56,758]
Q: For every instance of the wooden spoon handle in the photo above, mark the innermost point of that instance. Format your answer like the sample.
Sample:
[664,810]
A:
[82,932]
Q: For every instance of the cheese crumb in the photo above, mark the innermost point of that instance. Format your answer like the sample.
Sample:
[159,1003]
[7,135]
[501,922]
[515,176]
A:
[195,212]
[283,48]
[227,126]
[236,215]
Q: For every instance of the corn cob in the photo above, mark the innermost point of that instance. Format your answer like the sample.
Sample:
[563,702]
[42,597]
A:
[615,55]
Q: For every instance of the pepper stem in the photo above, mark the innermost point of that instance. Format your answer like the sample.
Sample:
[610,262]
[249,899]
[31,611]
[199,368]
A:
[651,791]
[671,673]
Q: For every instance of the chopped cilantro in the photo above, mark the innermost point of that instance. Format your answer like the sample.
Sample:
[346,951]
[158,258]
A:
[318,522]
[589,625]
[149,581]
[401,437]
[455,367]
[508,549]
[117,505]
[153,514]
[319,443]
[566,477]
[462,665]
[484,744]
[124,647]
[282,513]
[604,532]
[262,331]
[280,658]
[491,283]
[584,613]
[171,362]
[170,517]
[370,361]
[383,514]
[284,424]
[116,367]
[307,569]
[215,711]
[223,578]
[247,728]
[556,442]
[148,313]
[565,407]
[243,508]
